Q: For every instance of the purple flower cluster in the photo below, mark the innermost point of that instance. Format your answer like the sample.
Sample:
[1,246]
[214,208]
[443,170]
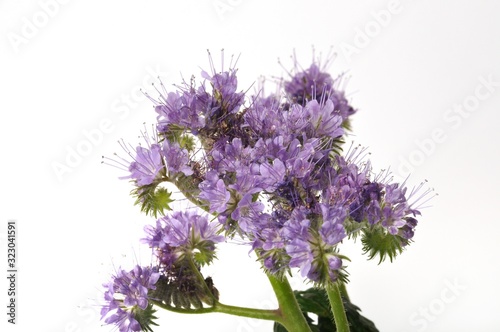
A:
[126,296]
[269,171]
[179,234]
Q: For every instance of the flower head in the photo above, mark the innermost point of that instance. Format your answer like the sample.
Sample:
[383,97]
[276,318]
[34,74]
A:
[127,298]
[144,163]
[182,233]
[309,83]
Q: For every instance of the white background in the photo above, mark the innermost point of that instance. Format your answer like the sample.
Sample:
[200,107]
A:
[82,61]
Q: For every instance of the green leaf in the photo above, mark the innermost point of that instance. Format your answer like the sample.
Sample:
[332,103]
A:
[315,301]
[357,322]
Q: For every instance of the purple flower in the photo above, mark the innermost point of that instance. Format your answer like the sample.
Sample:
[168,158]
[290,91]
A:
[225,85]
[127,293]
[180,233]
[188,229]
[334,265]
[309,83]
[341,105]
[301,256]
[298,232]
[300,168]
[177,159]
[179,108]
[147,165]
[264,118]
[315,84]
[247,213]
[246,182]
[332,230]
[125,320]
[231,157]
[323,120]
[167,255]
[154,235]
[312,246]
[271,175]
[214,191]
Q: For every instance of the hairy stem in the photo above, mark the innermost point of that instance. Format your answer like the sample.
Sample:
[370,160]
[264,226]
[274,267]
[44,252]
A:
[292,318]
[273,315]
[338,310]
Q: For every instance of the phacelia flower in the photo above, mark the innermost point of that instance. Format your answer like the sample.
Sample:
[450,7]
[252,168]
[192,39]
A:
[177,159]
[224,85]
[182,233]
[147,165]
[179,108]
[314,83]
[189,229]
[271,172]
[323,121]
[313,250]
[127,298]
[309,83]
[144,163]
[214,191]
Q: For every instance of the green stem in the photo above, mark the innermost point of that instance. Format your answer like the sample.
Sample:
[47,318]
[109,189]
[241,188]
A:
[343,291]
[338,310]
[273,315]
[292,318]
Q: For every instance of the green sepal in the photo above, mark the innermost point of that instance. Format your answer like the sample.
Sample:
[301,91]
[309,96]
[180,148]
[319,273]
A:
[152,199]
[204,253]
[177,134]
[353,228]
[377,241]
[146,317]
